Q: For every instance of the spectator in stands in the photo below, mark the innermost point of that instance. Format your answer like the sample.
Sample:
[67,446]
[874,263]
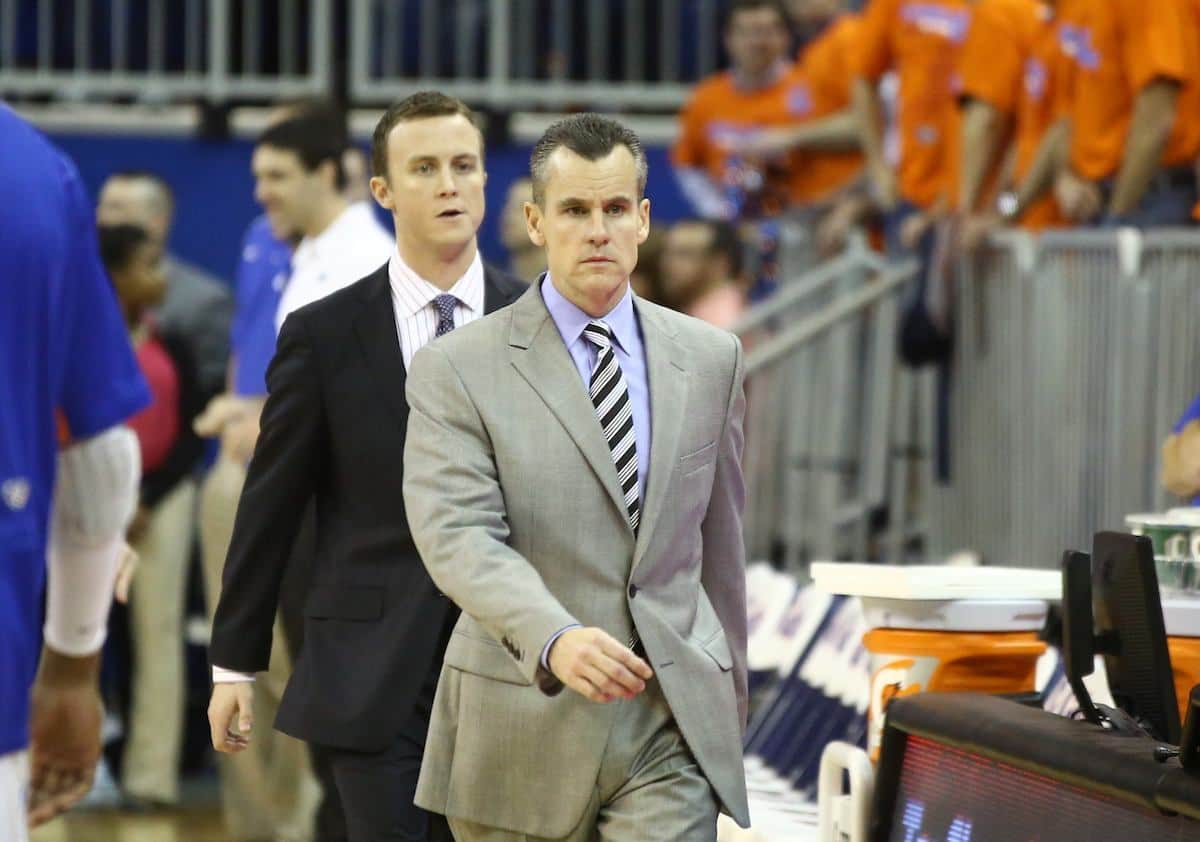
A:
[921,42]
[161,532]
[701,271]
[1131,100]
[823,126]
[525,260]
[646,277]
[197,306]
[1181,456]
[756,92]
[1009,62]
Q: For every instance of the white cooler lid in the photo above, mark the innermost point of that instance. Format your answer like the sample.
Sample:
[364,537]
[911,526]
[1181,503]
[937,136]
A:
[1182,617]
[962,615]
[936,581]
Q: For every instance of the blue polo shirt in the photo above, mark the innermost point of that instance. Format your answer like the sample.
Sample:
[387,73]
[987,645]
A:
[262,274]
[63,346]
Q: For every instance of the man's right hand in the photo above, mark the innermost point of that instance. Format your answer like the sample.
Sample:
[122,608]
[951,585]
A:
[232,703]
[596,666]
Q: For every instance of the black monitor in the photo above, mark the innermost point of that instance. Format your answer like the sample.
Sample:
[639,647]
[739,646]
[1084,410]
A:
[1131,634]
[1111,607]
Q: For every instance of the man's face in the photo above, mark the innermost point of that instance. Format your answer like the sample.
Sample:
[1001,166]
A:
[591,223]
[130,201]
[512,218]
[686,259]
[141,283]
[287,191]
[756,39]
[434,186]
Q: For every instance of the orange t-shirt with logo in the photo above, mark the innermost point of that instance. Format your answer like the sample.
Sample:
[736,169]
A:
[825,69]
[720,116]
[1116,48]
[921,40]
[1008,61]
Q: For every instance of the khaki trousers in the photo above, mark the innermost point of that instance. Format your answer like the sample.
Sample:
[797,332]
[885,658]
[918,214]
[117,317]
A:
[268,791]
[156,607]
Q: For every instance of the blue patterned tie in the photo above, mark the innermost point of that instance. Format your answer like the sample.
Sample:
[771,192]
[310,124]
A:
[445,305]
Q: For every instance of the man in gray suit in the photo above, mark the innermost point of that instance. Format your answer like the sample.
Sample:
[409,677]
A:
[573,481]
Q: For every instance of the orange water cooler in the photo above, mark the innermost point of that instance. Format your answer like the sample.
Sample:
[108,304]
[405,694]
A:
[945,629]
[1182,618]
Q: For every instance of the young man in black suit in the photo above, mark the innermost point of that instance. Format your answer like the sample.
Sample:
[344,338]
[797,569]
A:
[333,431]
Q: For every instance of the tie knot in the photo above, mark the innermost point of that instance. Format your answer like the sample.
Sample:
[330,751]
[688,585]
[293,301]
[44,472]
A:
[445,305]
[598,333]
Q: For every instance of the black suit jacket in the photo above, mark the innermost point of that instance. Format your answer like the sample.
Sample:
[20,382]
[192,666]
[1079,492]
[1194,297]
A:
[333,431]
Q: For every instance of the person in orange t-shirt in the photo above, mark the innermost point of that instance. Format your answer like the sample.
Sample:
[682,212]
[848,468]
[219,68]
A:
[826,133]
[1133,108]
[1007,70]
[758,91]
[921,41]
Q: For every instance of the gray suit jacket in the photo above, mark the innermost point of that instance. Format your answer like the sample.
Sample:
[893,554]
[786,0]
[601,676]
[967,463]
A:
[199,308]
[514,504]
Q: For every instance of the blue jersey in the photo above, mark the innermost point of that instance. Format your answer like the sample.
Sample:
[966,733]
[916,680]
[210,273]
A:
[63,346]
[261,276]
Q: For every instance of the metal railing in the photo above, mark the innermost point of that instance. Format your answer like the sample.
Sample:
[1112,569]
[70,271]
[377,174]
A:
[503,54]
[160,51]
[823,411]
[1074,355]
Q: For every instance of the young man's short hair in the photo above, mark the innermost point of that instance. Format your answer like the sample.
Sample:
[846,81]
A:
[591,137]
[118,243]
[422,105]
[738,6]
[315,136]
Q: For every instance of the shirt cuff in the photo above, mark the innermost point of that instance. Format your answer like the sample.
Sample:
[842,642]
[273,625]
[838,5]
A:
[224,676]
[546,649]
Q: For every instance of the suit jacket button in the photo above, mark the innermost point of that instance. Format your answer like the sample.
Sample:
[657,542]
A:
[633,591]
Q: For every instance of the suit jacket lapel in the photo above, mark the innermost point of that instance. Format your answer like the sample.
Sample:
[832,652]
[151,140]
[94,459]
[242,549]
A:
[376,329]
[666,370]
[539,355]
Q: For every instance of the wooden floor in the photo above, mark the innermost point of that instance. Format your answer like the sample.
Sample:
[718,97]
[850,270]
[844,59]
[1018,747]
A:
[179,825]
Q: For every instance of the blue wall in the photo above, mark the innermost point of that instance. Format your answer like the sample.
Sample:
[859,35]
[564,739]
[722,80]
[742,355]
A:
[215,193]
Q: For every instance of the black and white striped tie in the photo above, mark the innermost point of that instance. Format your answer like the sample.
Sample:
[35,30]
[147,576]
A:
[610,396]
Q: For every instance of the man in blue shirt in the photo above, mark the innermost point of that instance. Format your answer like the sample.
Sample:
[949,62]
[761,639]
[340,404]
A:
[63,348]
[1181,456]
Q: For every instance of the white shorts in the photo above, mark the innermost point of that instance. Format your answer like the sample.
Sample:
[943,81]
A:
[14,795]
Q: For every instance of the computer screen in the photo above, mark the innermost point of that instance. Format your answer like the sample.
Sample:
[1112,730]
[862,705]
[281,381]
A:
[948,795]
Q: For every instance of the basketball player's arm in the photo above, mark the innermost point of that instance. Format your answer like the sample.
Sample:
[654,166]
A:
[95,493]
[457,515]
[723,571]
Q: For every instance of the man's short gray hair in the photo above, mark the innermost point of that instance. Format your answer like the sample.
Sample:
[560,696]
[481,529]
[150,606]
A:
[590,136]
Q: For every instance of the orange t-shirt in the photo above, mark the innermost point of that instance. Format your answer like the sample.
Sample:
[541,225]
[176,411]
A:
[1115,49]
[921,40]
[1008,61]
[825,69]
[719,116]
